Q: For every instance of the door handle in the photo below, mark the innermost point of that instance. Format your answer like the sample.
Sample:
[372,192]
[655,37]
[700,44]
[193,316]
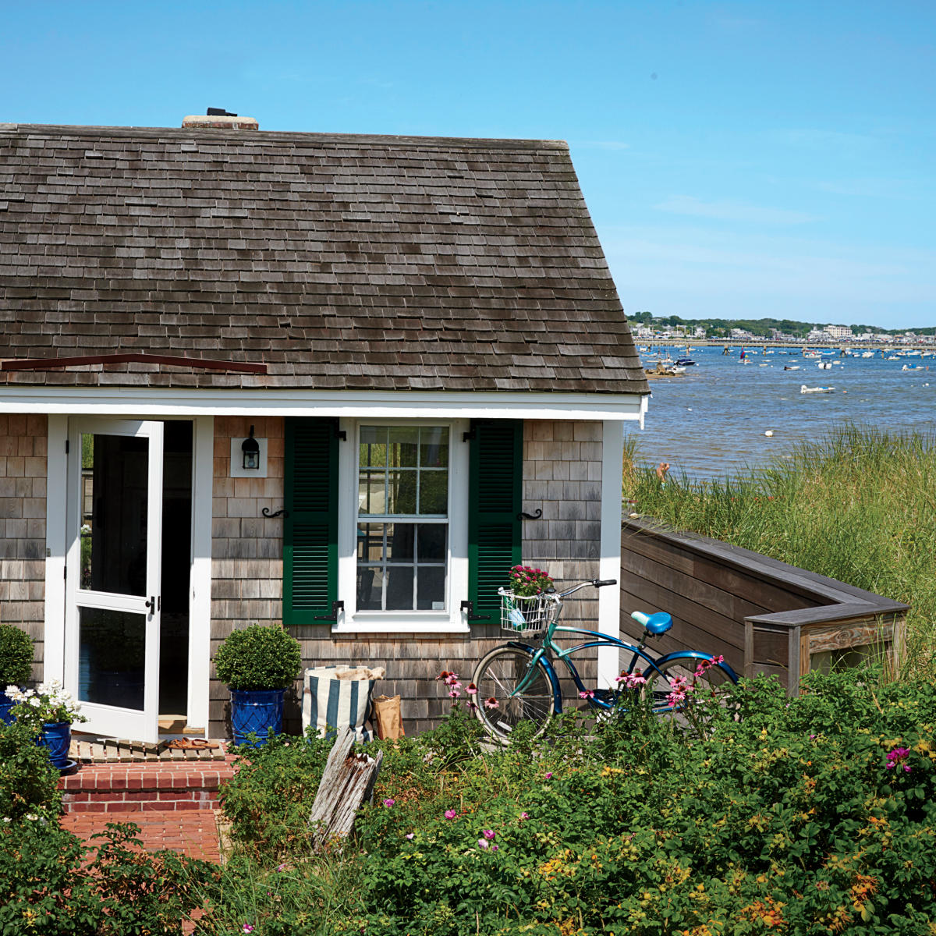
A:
[151,604]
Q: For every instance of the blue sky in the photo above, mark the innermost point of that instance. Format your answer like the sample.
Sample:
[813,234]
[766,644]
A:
[740,159]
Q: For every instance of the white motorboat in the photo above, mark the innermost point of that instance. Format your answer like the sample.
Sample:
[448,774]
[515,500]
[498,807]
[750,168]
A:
[805,389]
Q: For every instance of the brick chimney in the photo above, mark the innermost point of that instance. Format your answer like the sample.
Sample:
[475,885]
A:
[219,119]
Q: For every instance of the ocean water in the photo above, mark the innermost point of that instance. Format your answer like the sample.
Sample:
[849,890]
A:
[712,422]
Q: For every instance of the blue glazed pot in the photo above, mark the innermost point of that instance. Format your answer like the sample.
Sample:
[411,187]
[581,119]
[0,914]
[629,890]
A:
[256,710]
[6,708]
[56,738]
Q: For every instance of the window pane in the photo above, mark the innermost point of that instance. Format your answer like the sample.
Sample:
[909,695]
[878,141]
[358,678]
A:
[433,492]
[401,493]
[431,592]
[373,449]
[371,493]
[111,657]
[370,582]
[403,446]
[113,534]
[370,542]
[400,588]
[400,542]
[430,540]
[433,447]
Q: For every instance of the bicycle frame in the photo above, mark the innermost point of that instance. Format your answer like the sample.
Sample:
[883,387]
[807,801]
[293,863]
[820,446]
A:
[542,655]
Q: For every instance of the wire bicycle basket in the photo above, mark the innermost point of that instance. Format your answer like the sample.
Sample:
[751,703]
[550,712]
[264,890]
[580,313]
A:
[529,615]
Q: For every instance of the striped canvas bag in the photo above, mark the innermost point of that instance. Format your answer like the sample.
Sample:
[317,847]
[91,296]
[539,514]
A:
[336,697]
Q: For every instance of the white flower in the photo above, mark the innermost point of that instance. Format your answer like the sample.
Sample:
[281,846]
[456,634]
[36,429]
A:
[31,816]
[35,702]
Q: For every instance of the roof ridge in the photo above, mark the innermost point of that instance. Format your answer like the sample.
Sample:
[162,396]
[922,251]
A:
[255,137]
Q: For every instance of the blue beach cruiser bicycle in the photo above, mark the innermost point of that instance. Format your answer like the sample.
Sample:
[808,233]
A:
[518,680]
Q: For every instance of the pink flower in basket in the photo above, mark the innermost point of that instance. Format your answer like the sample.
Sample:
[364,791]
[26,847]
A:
[525,582]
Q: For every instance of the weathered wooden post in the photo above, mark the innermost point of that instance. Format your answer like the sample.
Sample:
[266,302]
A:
[348,780]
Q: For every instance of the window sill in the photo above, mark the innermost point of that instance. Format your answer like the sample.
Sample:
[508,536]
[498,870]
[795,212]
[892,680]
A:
[401,625]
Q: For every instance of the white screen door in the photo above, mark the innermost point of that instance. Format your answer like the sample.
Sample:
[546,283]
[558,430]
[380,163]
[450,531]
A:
[113,574]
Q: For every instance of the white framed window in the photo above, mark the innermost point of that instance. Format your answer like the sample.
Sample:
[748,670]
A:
[403,526]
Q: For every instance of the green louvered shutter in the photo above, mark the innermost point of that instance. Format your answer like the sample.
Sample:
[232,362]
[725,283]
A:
[494,527]
[310,534]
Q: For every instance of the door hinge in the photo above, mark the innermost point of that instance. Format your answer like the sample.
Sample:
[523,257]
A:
[65,572]
[66,446]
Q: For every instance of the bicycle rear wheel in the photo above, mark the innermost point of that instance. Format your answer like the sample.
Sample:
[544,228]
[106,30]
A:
[659,686]
[500,707]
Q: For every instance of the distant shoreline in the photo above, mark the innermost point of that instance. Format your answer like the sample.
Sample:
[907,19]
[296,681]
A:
[790,345]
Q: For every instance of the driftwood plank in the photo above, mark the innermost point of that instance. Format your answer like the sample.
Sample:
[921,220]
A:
[347,781]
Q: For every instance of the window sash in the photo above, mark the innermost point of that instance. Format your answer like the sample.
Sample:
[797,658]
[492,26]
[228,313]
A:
[385,469]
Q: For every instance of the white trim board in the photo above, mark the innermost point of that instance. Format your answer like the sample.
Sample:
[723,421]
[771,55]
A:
[409,404]
[609,565]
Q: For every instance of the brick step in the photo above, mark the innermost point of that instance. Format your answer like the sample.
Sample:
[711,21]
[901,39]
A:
[195,833]
[126,788]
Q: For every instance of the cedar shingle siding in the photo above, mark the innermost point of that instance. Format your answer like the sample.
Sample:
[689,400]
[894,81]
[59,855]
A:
[341,262]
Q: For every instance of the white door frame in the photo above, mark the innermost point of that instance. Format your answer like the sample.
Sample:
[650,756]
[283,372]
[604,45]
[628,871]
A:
[200,594]
[117,721]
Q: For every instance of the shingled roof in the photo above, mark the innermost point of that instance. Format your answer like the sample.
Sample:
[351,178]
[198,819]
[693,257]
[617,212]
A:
[339,262]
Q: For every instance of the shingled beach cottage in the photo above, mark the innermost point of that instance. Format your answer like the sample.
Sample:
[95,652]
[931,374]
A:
[342,382]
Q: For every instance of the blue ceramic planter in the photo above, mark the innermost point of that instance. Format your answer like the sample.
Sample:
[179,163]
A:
[56,738]
[256,710]
[6,709]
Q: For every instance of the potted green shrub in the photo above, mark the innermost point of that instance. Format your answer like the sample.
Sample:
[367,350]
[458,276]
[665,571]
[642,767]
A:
[258,664]
[16,656]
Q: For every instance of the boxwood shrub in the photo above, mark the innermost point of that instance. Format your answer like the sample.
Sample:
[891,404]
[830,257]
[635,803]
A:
[16,656]
[259,657]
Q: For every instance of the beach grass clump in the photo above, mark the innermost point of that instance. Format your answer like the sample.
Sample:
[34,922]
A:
[857,505]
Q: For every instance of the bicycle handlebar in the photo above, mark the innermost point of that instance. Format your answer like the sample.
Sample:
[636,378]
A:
[595,583]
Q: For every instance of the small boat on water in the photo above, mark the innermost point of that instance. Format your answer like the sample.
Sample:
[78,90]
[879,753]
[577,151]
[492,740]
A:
[824,365]
[913,367]
[805,389]
[685,362]
[791,366]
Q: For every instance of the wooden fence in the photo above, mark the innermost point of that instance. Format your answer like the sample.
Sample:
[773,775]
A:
[764,616]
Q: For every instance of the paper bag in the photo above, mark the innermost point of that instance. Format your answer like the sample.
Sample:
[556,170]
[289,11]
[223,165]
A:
[388,717]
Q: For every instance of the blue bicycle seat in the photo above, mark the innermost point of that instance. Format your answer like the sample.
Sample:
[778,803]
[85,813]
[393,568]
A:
[658,623]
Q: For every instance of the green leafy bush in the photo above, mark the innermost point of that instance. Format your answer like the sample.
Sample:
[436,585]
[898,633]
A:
[51,883]
[259,657]
[28,783]
[815,814]
[16,656]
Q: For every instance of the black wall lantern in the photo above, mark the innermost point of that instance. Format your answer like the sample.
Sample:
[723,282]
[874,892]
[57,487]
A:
[251,450]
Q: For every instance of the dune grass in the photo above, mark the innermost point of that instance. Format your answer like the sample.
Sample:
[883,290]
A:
[858,505]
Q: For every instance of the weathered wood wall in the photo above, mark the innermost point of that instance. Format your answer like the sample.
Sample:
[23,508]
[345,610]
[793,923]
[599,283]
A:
[762,615]
[562,477]
[23,448]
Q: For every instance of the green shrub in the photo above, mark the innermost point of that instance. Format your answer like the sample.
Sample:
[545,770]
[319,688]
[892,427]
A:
[28,783]
[16,656]
[259,657]
[815,814]
[270,797]
[50,883]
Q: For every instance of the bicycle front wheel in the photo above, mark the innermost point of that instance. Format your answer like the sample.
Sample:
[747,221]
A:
[501,707]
